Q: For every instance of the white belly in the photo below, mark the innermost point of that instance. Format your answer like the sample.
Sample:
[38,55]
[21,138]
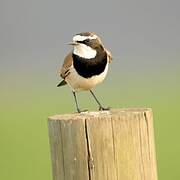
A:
[79,83]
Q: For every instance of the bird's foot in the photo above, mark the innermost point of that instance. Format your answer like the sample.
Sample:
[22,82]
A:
[80,111]
[103,109]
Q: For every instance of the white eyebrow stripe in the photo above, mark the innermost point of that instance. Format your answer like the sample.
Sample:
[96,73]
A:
[82,38]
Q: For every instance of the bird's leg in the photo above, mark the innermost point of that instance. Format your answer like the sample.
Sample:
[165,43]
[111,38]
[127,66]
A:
[77,106]
[101,108]
[75,98]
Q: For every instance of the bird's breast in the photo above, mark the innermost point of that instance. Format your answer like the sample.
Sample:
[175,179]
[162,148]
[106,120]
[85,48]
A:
[88,68]
[79,83]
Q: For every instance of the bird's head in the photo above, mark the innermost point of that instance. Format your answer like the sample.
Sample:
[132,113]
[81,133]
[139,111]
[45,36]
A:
[87,45]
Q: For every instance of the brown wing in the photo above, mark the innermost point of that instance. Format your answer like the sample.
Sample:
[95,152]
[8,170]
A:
[64,71]
[109,55]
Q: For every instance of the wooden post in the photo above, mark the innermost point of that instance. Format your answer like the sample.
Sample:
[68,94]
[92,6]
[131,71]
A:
[109,145]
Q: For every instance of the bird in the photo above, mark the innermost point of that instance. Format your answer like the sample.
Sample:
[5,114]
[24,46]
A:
[85,66]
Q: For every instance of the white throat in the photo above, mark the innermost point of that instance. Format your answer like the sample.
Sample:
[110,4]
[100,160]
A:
[84,51]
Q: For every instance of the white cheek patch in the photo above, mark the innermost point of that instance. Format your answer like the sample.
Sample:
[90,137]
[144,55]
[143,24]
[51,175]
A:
[82,38]
[84,51]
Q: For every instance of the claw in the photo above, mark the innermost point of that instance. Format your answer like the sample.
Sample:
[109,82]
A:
[103,109]
[80,111]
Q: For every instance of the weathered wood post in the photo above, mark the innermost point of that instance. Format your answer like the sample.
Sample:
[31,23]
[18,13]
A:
[109,145]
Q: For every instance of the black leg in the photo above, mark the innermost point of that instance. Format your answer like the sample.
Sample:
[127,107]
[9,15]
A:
[101,108]
[77,106]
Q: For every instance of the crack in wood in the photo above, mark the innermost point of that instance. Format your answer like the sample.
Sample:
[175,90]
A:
[62,148]
[90,158]
[114,151]
[147,128]
[141,150]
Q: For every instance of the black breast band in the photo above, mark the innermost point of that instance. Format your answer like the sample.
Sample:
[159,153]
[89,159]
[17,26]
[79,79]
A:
[90,67]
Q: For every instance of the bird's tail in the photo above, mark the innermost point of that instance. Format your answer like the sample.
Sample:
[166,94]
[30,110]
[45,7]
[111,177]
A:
[62,83]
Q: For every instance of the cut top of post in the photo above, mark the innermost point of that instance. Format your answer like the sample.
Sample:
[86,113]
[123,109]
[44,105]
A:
[100,114]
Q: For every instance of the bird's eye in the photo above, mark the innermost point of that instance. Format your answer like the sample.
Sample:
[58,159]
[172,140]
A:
[86,41]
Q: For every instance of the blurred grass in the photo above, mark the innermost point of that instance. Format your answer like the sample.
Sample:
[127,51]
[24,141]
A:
[26,102]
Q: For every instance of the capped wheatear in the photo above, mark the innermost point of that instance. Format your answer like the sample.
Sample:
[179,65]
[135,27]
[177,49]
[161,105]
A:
[86,65]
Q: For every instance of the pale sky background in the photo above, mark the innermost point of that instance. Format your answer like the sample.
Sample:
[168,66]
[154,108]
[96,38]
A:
[33,34]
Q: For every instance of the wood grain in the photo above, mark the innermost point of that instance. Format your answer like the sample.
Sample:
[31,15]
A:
[109,145]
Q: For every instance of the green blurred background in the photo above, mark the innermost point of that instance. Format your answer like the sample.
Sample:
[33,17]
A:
[145,43]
